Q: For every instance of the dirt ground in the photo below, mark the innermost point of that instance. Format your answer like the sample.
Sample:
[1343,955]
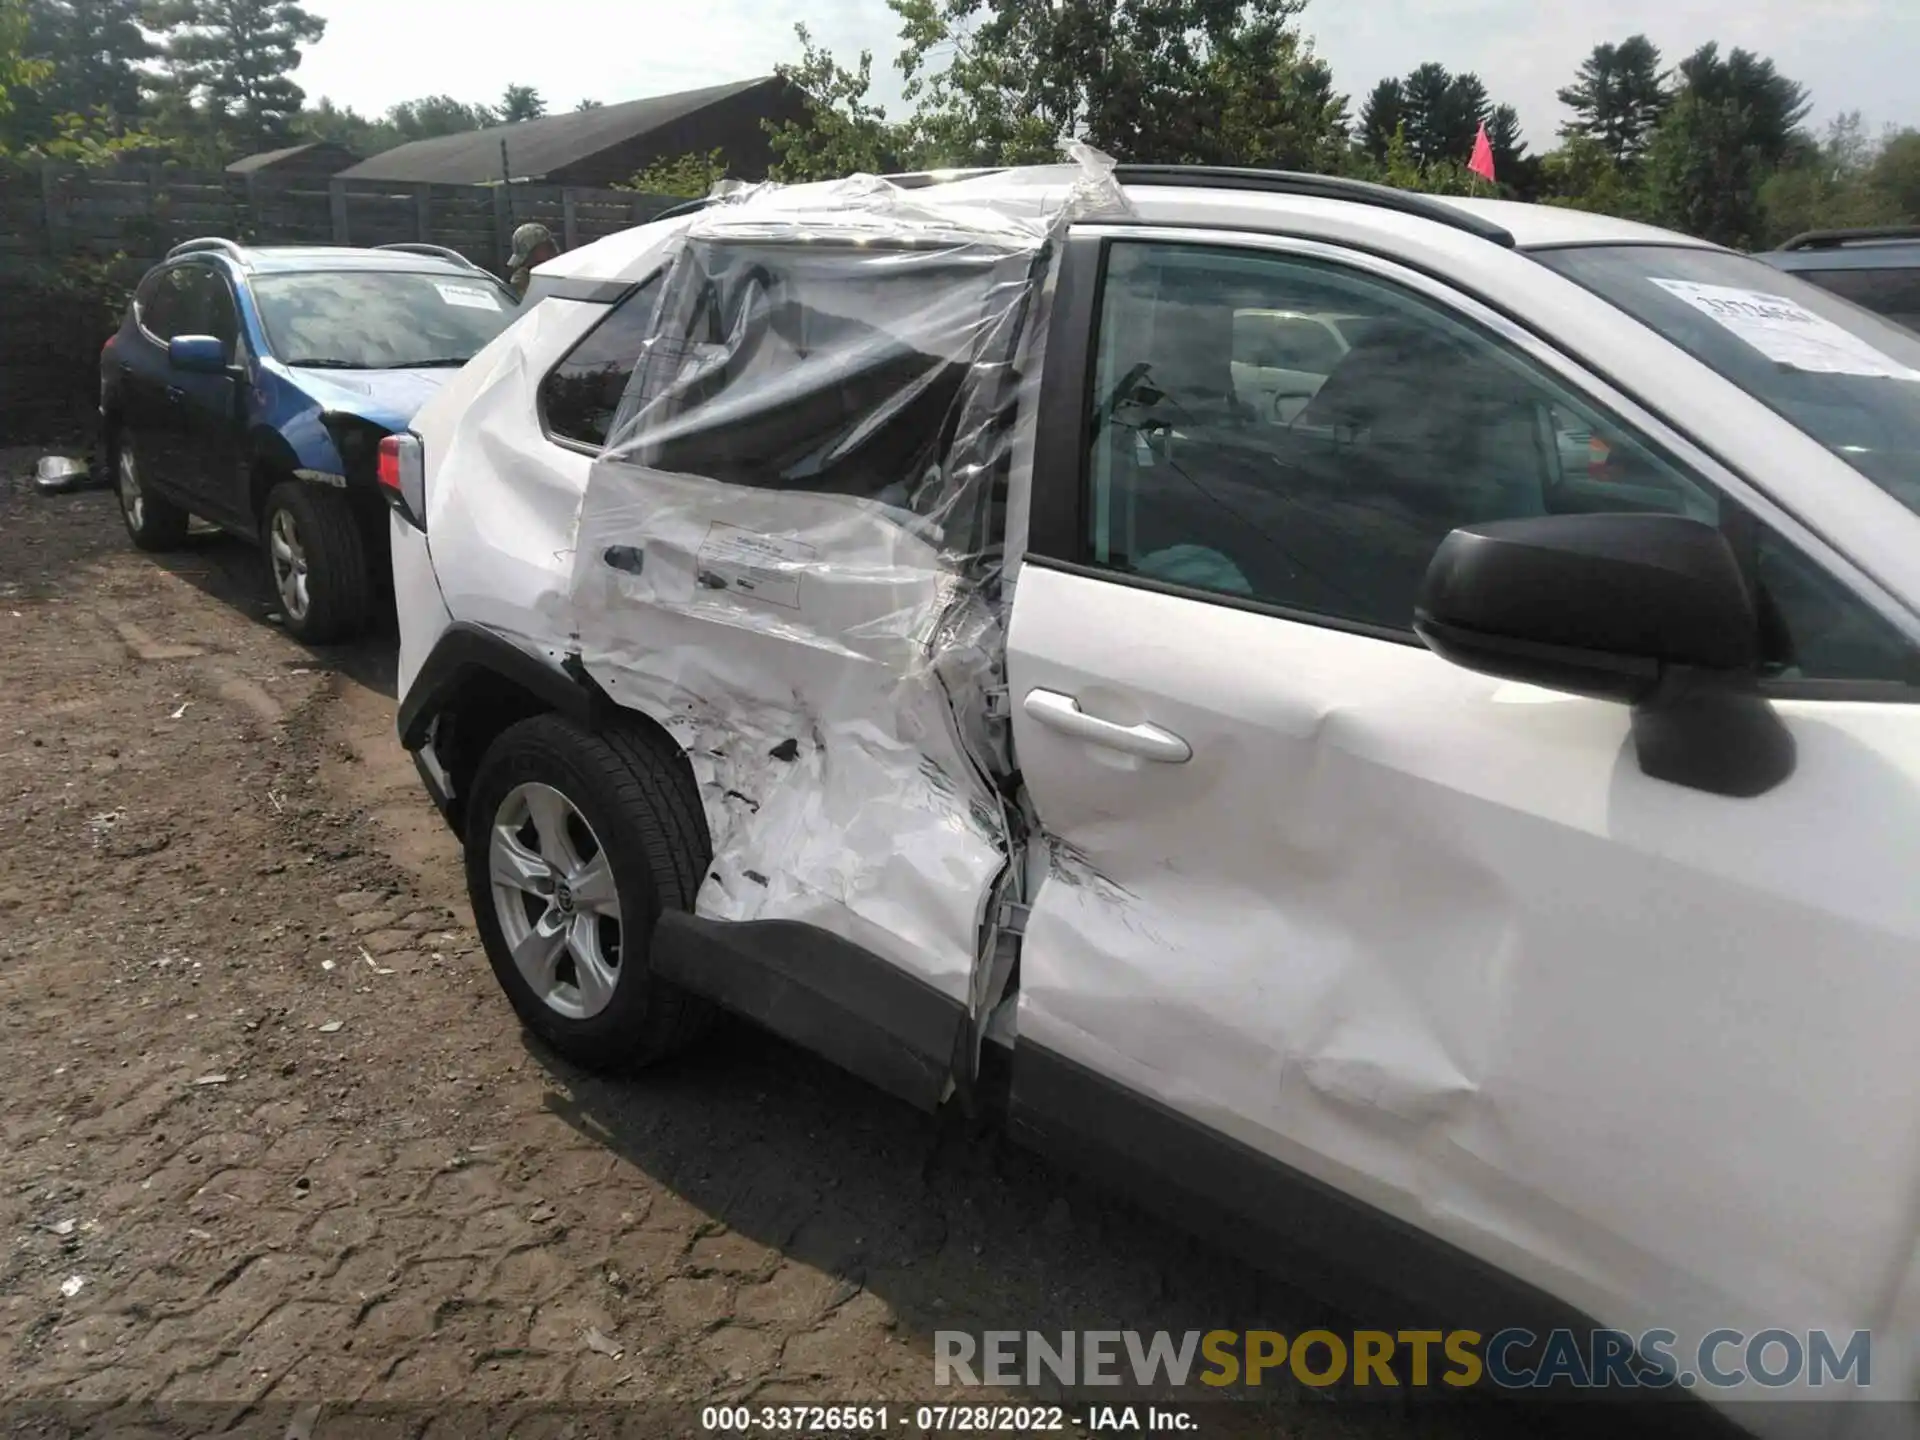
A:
[272,1135]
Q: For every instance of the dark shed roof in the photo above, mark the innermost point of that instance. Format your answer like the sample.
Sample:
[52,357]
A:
[538,148]
[314,155]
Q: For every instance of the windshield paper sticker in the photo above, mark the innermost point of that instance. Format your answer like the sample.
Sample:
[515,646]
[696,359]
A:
[1788,333]
[762,566]
[468,297]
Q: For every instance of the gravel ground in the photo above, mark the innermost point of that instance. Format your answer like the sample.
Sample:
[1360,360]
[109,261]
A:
[272,1137]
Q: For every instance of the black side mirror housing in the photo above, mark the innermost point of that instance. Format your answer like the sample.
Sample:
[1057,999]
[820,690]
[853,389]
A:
[1650,611]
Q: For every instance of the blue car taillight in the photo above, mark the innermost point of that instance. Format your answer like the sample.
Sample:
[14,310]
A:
[402,474]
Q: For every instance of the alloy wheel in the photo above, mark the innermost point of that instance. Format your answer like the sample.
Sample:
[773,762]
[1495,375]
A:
[555,899]
[133,503]
[289,558]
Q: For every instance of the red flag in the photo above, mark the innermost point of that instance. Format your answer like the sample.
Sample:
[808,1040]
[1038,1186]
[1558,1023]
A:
[1482,162]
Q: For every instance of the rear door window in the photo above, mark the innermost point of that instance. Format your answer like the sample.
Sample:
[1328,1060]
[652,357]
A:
[169,305]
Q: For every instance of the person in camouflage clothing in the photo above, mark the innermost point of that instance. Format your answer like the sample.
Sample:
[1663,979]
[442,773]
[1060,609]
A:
[533,245]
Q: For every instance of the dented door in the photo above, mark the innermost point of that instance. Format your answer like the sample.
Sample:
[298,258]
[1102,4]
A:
[788,557]
[1323,915]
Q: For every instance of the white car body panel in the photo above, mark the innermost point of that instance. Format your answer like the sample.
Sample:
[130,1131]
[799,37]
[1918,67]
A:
[836,789]
[502,497]
[1429,938]
[1437,941]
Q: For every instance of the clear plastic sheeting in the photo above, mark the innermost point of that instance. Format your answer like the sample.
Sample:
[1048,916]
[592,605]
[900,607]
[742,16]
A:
[791,553]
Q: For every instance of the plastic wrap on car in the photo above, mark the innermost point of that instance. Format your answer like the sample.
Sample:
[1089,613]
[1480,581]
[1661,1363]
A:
[792,553]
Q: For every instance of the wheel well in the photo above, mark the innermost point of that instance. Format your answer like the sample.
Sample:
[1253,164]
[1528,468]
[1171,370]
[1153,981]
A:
[266,475]
[484,704]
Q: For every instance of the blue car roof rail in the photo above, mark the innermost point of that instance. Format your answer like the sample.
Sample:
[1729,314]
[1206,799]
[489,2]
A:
[416,248]
[1834,239]
[207,243]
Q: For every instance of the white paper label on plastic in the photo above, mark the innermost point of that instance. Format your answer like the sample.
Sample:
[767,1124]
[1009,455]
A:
[467,297]
[765,567]
[1787,332]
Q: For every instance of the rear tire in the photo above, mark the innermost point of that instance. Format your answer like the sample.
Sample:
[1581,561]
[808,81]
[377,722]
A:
[153,523]
[317,563]
[576,842]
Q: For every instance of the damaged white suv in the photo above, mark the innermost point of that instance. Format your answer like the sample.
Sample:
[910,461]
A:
[1431,792]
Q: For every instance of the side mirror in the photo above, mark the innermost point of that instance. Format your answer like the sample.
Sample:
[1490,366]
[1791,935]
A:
[1650,611]
[197,354]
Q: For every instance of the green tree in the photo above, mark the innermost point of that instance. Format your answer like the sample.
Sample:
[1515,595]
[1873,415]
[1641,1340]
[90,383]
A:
[1828,185]
[234,60]
[586,105]
[93,51]
[521,102]
[1617,98]
[844,132]
[346,126]
[1734,122]
[1515,170]
[691,177]
[1583,175]
[1442,114]
[1179,81]
[1428,89]
[1895,176]
[1382,117]
[436,115]
[18,68]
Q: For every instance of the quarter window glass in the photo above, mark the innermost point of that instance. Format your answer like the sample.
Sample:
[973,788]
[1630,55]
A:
[581,395]
[1324,485]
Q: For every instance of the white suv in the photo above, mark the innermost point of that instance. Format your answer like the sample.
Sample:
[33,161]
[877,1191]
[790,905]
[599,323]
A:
[1415,847]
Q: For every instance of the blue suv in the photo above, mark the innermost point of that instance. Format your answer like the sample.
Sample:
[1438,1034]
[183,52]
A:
[252,386]
[1878,269]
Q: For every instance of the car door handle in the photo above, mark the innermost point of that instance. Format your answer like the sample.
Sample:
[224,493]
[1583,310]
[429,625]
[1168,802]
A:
[176,394]
[1063,713]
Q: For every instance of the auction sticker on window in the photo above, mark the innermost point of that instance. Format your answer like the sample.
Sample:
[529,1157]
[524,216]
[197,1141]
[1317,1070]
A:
[766,567]
[1786,332]
[467,297]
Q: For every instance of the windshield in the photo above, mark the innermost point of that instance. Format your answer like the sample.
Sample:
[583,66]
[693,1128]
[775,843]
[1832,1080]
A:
[1848,378]
[380,319]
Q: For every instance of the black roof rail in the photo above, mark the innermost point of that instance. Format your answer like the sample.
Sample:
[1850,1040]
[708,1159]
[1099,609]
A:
[439,251]
[202,246]
[1834,239]
[1318,187]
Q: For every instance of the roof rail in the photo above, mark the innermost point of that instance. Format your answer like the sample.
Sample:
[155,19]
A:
[674,212]
[1319,187]
[441,251]
[209,243]
[1833,239]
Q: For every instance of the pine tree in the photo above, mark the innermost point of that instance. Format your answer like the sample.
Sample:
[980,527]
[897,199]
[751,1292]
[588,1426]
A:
[1382,116]
[1617,98]
[232,60]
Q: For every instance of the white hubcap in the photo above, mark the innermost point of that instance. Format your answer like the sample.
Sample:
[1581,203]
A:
[554,896]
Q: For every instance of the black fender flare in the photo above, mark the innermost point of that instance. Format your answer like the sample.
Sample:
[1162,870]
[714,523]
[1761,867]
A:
[467,651]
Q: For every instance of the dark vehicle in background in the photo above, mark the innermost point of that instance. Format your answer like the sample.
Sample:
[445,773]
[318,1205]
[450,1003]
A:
[1878,269]
[252,387]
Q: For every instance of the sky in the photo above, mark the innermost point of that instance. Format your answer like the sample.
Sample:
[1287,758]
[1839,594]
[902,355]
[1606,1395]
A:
[1851,54]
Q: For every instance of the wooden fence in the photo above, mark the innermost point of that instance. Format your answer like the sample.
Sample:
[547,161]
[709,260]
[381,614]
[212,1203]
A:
[72,241]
